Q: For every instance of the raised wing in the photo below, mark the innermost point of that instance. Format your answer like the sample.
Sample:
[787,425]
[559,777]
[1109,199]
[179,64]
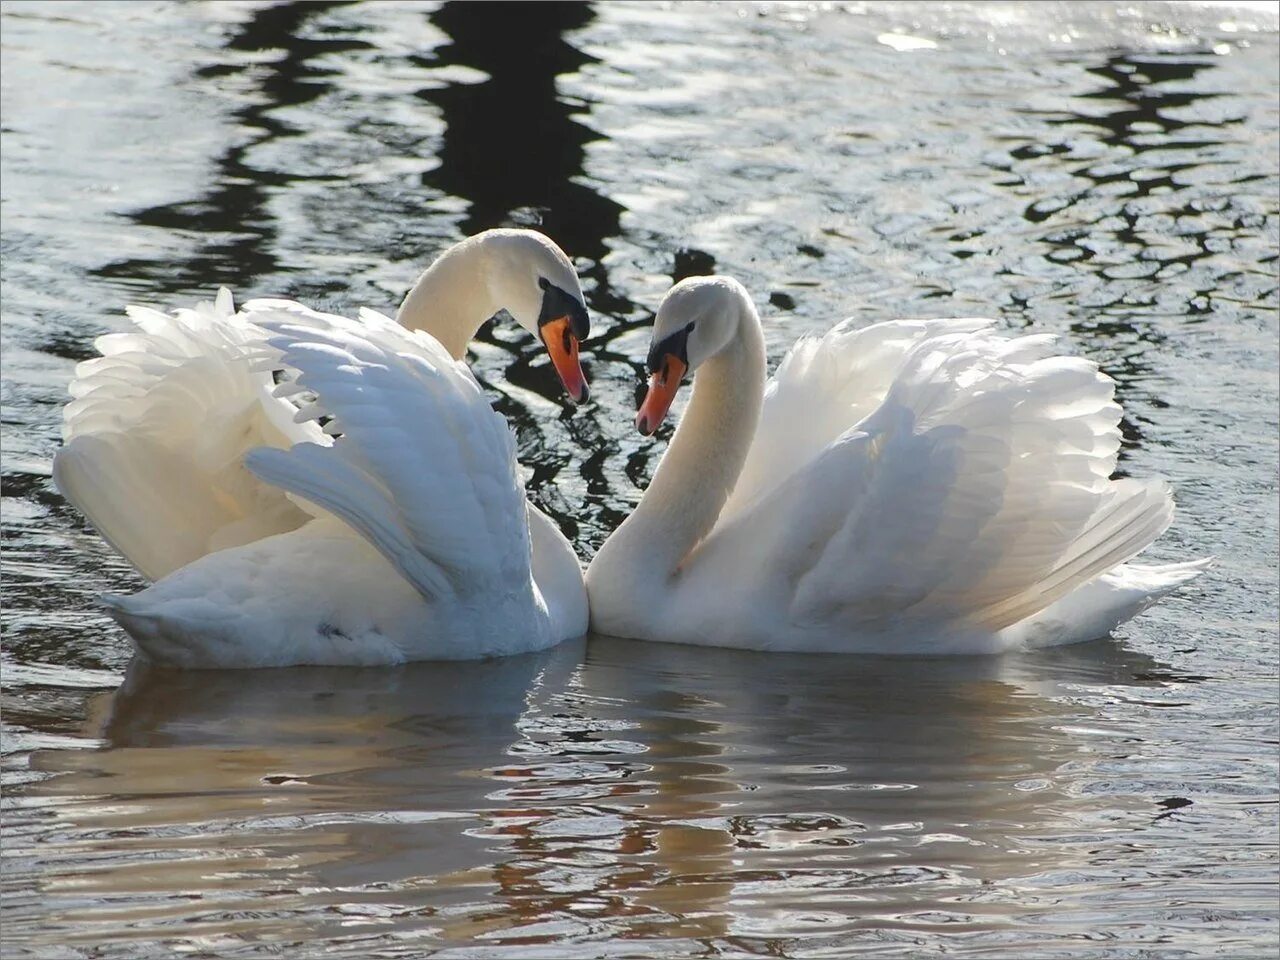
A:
[156,430]
[824,386]
[422,467]
[978,490]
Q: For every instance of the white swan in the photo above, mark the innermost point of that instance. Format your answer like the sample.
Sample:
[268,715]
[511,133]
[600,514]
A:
[272,544]
[915,486]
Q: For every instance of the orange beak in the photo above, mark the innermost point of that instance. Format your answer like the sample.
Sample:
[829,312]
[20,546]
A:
[557,336]
[662,390]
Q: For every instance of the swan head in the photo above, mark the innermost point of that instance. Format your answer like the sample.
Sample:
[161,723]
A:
[698,318]
[532,279]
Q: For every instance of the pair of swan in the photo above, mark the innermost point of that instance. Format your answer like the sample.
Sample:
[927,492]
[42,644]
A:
[309,489]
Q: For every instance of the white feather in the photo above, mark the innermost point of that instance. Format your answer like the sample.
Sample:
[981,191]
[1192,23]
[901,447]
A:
[975,495]
[915,486]
[396,531]
[155,437]
[425,469]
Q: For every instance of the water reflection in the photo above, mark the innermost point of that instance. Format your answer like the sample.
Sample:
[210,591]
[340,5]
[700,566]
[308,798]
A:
[512,148]
[236,227]
[1116,191]
[298,783]
[653,791]
[826,789]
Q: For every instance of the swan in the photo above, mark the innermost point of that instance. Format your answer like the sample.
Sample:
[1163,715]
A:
[910,487]
[397,531]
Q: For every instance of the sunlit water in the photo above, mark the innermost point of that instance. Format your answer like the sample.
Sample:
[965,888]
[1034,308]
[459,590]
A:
[1104,172]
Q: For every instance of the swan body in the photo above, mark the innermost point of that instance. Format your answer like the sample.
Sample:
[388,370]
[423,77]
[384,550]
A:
[398,531]
[910,487]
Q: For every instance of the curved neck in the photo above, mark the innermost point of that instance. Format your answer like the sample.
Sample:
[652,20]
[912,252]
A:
[702,463]
[451,300]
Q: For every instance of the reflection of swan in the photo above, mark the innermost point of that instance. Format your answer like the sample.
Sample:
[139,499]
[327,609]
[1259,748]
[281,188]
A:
[348,711]
[306,787]
[437,555]
[914,486]
[647,791]
[730,792]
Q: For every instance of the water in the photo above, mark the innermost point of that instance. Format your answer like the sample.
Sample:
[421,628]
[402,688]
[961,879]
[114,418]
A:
[1104,172]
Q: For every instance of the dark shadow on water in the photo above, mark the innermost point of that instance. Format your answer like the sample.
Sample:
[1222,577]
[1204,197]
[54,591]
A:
[512,148]
[1136,115]
[515,152]
[1134,87]
[1139,117]
[235,230]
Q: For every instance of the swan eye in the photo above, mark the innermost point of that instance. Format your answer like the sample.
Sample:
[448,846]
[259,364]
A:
[689,327]
[543,283]
[674,347]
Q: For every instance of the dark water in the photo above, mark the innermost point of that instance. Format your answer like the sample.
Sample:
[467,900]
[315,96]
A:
[1106,172]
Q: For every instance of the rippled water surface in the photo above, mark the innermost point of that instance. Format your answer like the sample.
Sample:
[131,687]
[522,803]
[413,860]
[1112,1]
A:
[1105,172]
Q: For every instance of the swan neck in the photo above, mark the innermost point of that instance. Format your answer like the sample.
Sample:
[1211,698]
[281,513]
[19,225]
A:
[706,454]
[452,298]
[558,576]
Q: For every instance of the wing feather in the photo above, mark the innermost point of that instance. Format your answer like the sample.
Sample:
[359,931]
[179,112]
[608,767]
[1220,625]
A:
[423,468]
[823,387]
[155,432]
[977,487]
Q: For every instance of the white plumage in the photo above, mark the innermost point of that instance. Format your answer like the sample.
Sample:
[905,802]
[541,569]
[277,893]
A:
[425,469]
[914,486]
[420,543]
[396,531]
[155,433]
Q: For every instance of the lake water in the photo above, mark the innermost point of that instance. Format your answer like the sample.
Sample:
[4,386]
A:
[1105,172]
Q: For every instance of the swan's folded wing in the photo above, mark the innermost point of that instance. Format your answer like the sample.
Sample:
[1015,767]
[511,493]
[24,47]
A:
[823,387]
[156,430]
[422,466]
[978,490]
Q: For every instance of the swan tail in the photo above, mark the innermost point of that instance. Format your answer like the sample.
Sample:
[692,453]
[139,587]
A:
[179,628]
[315,595]
[200,633]
[1095,609]
[157,634]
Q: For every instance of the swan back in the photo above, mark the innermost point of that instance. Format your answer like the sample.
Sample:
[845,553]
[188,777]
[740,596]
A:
[823,387]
